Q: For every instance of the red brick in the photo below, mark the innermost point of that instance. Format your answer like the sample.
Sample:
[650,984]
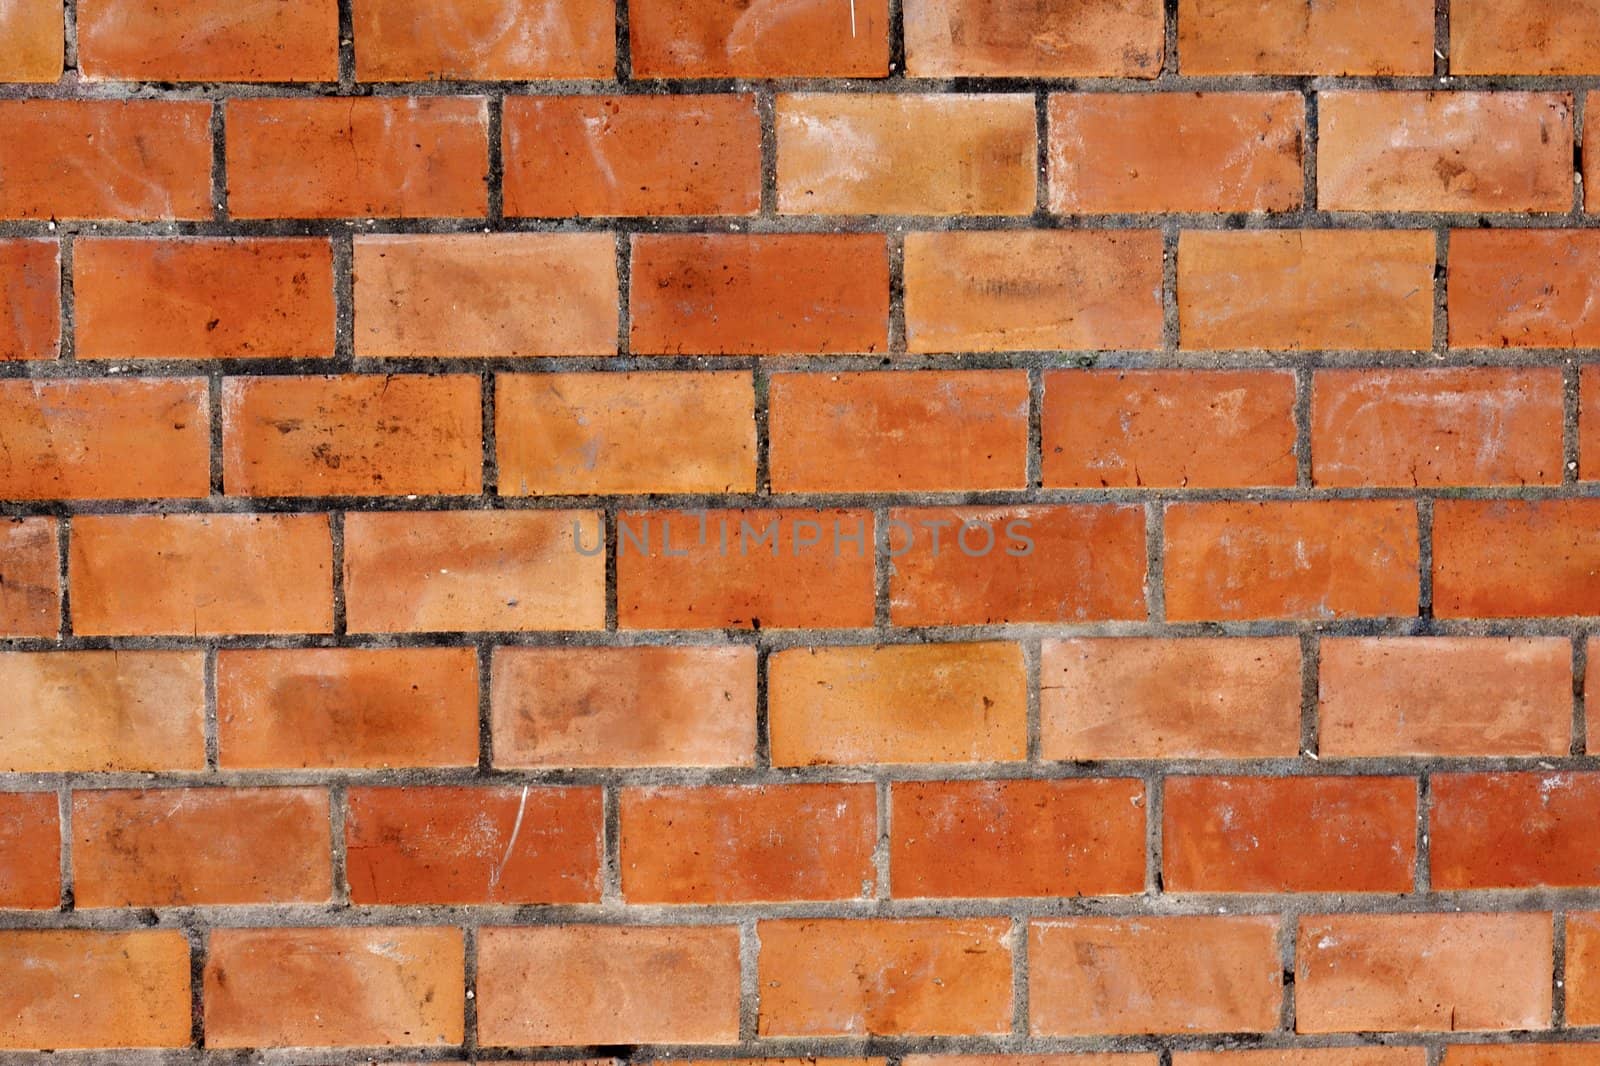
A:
[745,569]
[1292,834]
[1515,558]
[1017,838]
[474,571]
[1523,288]
[1460,426]
[632,155]
[746,844]
[611,432]
[1523,37]
[498,40]
[926,431]
[593,984]
[348,708]
[30,851]
[1423,972]
[1591,167]
[91,989]
[906,154]
[611,707]
[1445,696]
[1113,152]
[837,977]
[1309,1056]
[30,297]
[225,573]
[911,703]
[1456,151]
[1303,559]
[208,40]
[1152,698]
[1019,38]
[1291,37]
[1583,969]
[123,159]
[30,578]
[769,294]
[368,987]
[90,711]
[33,32]
[728,38]
[1296,289]
[104,439]
[1091,976]
[360,434]
[202,298]
[1019,290]
[977,566]
[1589,423]
[1514,830]
[332,158]
[473,845]
[181,847]
[1168,428]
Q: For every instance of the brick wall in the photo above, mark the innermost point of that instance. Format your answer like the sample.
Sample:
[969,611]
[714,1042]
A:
[910,532]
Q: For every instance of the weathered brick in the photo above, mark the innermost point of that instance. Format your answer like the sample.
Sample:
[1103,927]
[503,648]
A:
[33,32]
[1513,558]
[30,577]
[1575,1054]
[30,297]
[1523,288]
[1514,830]
[1312,1056]
[208,40]
[1019,38]
[91,989]
[1589,423]
[1291,37]
[507,40]
[1583,969]
[1524,37]
[30,851]
[730,39]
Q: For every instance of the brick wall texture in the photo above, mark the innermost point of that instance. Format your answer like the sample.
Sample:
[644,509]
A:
[890,532]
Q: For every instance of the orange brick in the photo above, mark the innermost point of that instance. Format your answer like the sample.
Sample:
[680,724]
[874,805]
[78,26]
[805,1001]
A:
[906,154]
[331,158]
[838,977]
[352,434]
[1292,834]
[745,569]
[1445,696]
[208,40]
[30,578]
[675,431]
[104,439]
[669,706]
[1300,559]
[1591,167]
[349,708]
[594,984]
[899,432]
[469,295]
[746,844]
[89,989]
[1523,288]
[1112,152]
[473,845]
[33,32]
[30,851]
[90,711]
[30,297]
[1067,1059]
[1456,151]
[1515,558]
[1514,830]
[1017,838]
[1422,972]
[1019,38]
[911,703]
[368,987]
[201,298]
[1524,37]
[977,566]
[1014,290]
[498,40]
[1291,37]
[1583,969]
[1307,1056]
[731,39]
[224,573]
[180,847]
[1152,698]
[1168,428]
[768,294]
[474,571]
[1153,975]
[1589,423]
[632,155]
[1289,290]
[124,159]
